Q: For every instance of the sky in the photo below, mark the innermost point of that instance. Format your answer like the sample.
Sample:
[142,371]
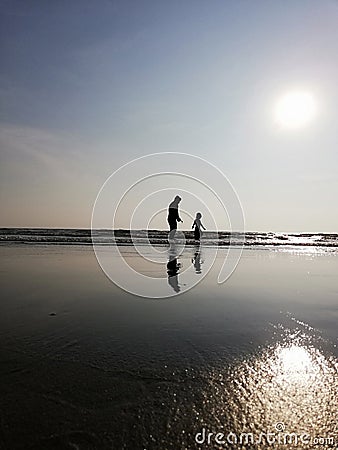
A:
[89,86]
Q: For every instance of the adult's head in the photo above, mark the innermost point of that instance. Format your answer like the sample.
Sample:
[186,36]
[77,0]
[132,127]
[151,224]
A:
[177,199]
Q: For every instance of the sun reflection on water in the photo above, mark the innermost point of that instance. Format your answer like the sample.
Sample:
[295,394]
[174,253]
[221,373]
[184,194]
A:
[294,364]
[292,382]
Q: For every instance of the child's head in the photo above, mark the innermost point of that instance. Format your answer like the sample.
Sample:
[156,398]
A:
[198,215]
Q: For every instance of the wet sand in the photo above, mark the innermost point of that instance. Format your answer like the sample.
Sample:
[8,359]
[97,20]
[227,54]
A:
[86,365]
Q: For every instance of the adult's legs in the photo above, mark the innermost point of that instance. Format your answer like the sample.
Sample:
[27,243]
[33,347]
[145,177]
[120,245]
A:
[173,228]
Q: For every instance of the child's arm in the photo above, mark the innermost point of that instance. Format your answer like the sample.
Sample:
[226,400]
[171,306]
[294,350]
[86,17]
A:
[193,224]
[203,226]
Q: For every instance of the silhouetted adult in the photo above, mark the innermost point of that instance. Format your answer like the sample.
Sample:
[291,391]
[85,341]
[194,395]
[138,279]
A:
[173,216]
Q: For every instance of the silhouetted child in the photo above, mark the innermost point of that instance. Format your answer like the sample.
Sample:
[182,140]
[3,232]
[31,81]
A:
[198,225]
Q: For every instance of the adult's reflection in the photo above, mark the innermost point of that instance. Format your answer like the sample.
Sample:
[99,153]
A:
[173,267]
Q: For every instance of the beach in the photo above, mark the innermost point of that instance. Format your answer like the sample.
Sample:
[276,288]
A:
[86,365]
[169,240]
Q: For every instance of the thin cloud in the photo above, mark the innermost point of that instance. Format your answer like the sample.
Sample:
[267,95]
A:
[44,149]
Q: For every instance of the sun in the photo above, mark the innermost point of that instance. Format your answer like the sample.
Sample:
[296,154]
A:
[295,109]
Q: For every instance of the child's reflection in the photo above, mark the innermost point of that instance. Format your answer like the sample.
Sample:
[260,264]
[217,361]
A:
[196,260]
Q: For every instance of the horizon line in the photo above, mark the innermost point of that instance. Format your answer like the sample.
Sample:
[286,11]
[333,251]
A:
[161,229]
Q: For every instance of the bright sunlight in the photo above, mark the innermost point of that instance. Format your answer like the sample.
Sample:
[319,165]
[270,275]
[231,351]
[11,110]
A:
[295,109]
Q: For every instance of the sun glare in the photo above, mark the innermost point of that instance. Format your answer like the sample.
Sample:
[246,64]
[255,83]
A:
[295,109]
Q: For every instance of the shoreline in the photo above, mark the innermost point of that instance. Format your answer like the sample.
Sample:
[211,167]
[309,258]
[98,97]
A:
[189,244]
[222,239]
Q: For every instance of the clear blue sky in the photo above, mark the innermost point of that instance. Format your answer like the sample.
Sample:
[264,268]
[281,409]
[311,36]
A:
[86,86]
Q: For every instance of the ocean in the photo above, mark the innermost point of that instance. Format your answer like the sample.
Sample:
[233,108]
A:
[79,236]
